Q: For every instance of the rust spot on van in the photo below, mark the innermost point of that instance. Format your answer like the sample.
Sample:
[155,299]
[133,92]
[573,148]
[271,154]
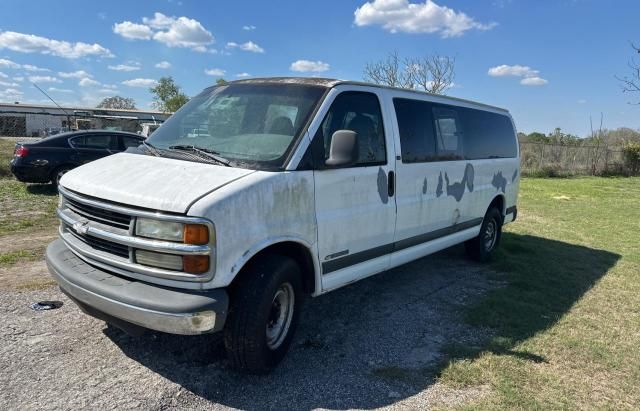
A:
[456,190]
[499,182]
[439,188]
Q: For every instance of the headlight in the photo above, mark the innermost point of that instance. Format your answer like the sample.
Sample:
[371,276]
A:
[171,231]
[162,230]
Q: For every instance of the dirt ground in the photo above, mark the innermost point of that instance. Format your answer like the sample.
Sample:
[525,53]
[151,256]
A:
[376,343]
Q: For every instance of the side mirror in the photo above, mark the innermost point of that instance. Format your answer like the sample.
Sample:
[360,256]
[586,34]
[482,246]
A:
[344,148]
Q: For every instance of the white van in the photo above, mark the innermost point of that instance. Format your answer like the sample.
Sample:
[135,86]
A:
[298,187]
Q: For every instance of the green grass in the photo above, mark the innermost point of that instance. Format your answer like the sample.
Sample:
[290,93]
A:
[6,154]
[26,208]
[7,259]
[567,323]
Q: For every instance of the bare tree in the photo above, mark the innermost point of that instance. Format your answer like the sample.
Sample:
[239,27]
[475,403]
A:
[388,72]
[433,73]
[597,138]
[631,83]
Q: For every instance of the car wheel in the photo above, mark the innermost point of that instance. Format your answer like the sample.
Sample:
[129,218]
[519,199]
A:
[57,175]
[263,315]
[481,247]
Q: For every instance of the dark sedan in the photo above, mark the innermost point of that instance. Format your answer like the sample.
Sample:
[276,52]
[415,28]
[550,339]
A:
[48,159]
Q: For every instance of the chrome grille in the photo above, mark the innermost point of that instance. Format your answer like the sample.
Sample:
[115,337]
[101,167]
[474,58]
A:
[100,244]
[103,216]
[102,233]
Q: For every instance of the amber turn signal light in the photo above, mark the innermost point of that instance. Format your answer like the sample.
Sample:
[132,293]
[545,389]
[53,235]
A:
[196,234]
[195,264]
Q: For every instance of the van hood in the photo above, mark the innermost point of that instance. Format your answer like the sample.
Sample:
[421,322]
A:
[156,183]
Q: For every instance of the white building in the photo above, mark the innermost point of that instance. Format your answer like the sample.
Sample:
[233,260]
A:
[28,120]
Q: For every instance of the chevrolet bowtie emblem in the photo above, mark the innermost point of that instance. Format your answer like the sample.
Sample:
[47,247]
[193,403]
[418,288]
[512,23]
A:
[81,227]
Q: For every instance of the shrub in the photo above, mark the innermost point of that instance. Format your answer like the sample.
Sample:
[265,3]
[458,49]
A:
[631,152]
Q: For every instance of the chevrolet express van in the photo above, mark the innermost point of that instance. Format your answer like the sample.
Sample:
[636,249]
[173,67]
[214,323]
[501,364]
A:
[290,188]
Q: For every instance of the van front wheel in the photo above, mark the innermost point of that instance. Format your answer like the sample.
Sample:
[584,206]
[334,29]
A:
[481,247]
[264,314]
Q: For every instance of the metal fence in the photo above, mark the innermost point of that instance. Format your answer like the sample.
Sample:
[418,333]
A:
[569,159]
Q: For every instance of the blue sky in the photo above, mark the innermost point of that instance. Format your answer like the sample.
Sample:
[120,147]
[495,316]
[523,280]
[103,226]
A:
[550,62]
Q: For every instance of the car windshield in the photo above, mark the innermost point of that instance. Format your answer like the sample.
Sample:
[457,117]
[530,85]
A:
[246,123]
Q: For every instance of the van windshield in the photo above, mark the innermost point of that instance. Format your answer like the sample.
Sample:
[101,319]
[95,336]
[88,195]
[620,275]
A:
[255,124]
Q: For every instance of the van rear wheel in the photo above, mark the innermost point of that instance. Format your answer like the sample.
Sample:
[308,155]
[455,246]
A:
[481,247]
[264,313]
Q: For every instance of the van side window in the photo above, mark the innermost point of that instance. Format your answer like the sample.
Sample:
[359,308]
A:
[415,124]
[449,134]
[487,135]
[359,112]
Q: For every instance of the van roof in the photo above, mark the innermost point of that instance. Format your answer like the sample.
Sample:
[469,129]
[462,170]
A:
[331,82]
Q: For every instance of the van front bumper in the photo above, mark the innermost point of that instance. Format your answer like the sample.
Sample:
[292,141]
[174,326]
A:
[131,304]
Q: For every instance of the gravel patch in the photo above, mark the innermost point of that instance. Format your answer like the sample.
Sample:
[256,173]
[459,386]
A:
[376,343]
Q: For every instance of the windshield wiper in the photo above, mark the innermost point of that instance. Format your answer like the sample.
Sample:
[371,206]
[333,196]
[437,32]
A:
[151,148]
[203,152]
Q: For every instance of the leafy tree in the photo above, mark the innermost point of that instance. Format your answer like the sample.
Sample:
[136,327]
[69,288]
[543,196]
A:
[117,102]
[168,96]
[221,82]
[537,137]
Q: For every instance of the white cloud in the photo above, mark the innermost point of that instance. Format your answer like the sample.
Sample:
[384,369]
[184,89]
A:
[9,64]
[159,21]
[44,79]
[530,77]
[428,17]
[248,46]
[171,31]
[74,74]
[140,82]
[582,101]
[19,78]
[7,84]
[215,72]
[13,65]
[111,86]
[29,43]
[30,67]
[87,82]
[249,27]
[107,91]
[306,66]
[163,65]
[124,67]
[517,70]
[241,75]
[185,32]
[533,81]
[2,75]
[59,90]
[133,31]
[11,94]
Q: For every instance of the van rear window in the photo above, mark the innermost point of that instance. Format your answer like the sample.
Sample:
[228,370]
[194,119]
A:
[437,132]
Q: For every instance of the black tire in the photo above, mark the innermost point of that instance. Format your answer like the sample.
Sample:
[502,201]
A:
[481,247]
[253,309]
[57,174]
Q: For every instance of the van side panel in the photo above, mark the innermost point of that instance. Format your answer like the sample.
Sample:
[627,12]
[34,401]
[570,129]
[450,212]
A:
[261,209]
